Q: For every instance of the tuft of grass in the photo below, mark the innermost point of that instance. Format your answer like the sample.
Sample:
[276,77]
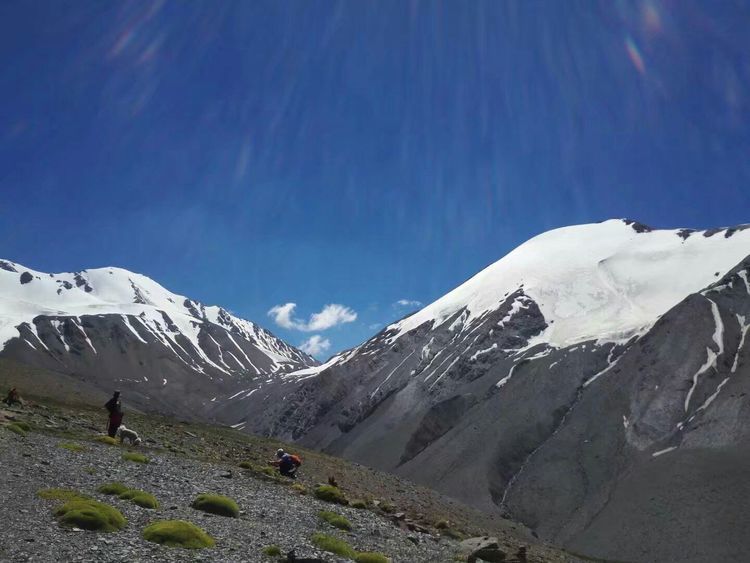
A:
[358,503]
[442,524]
[259,469]
[141,498]
[335,520]
[16,429]
[272,551]
[25,426]
[370,557]
[178,533]
[217,504]
[90,515]
[112,488]
[70,446]
[90,470]
[106,440]
[333,545]
[454,534]
[329,493]
[299,488]
[387,507]
[60,494]
[135,457]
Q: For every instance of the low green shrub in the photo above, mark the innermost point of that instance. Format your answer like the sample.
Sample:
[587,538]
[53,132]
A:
[387,507]
[16,429]
[60,494]
[70,446]
[333,545]
[272,550]
[335,520]
[141,498]
[112,488]
[90,515]
[217,504]
[358,503]
[329,493]
[299,488]
[442,524]
[135,457]
[370,557]
[454,534]
[25,426]
[106,440]
[178,533]
[260,469]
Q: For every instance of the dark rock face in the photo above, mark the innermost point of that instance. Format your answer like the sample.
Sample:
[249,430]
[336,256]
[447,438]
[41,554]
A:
[590,445]
[7,266]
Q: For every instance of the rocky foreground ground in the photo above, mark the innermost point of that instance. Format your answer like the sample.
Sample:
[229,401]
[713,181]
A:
[272,513]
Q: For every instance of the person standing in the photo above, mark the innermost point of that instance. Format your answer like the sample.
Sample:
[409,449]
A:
[114,406]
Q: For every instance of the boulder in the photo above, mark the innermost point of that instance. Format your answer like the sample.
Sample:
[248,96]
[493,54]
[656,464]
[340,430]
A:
[483,548]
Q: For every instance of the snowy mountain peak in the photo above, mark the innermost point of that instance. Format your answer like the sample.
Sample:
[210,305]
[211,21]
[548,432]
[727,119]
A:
[26,295]
[603,281]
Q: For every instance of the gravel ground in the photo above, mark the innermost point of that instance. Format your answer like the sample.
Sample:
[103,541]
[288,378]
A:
[271,514]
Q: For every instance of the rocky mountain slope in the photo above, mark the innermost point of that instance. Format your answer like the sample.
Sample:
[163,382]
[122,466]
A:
[61,450]
[589,384]
[115,328]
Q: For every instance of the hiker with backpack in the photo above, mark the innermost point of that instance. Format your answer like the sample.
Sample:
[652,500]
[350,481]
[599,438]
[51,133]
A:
[287,463]
[114,406]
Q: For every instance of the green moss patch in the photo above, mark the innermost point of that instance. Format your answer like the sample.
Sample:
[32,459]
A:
[70,446]
[329,493]
[112,488]
[299,488]
[370,557]
[16,429]
[178,533]
[60,494]
[333,545]
[217,504]
[106,440]
[141,498]
[335,520]
[135,457]
[454,534]
[358,503]
[343,549]
[90,515]
[260,470]
[272,551]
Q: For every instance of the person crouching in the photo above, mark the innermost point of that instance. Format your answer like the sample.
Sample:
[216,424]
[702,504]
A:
[287,463]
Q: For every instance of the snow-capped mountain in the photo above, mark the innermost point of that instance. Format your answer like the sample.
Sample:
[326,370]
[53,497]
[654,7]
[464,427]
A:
[555,386]
[119,328]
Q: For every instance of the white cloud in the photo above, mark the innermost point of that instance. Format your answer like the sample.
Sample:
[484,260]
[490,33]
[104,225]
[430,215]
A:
[407,303]
[329,316]
[282,315]
[315,345]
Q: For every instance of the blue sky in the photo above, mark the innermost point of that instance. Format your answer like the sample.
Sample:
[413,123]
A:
[254,154]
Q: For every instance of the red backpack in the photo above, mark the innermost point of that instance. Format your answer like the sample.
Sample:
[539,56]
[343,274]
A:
[296,460]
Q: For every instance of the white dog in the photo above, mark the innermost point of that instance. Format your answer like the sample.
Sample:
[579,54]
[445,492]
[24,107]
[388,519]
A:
[127,434]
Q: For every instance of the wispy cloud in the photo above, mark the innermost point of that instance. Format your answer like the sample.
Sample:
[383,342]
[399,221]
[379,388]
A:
[329,316]
[407,303]
[315,345]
